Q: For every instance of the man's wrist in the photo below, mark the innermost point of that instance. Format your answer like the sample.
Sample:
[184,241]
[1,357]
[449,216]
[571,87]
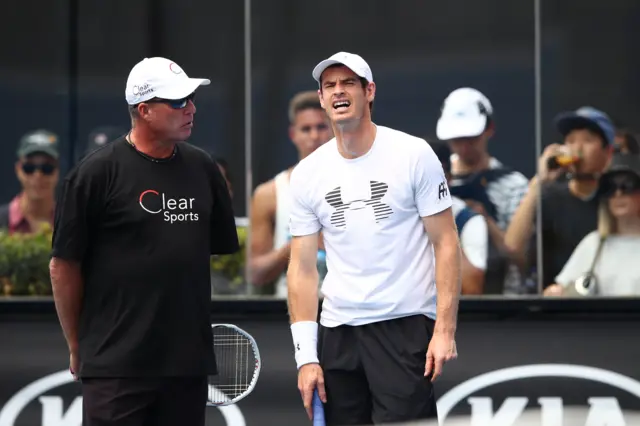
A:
[305,342]
[444,329]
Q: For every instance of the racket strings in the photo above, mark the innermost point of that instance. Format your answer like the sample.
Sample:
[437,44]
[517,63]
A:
[236,362]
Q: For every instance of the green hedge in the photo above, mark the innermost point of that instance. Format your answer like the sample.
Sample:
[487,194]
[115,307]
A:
[24,263]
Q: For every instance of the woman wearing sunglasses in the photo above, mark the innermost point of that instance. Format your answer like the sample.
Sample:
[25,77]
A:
[37,171]
[605,262]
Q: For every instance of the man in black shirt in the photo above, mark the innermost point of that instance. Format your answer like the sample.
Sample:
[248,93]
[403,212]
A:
[569,207]
[135,225]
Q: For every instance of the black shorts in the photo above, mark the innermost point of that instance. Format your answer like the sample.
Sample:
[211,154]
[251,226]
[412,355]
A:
[144,401]
[374,373]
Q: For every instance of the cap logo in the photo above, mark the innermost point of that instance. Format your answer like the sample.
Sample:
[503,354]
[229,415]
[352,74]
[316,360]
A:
[142,90]
[175,68]
[42,140]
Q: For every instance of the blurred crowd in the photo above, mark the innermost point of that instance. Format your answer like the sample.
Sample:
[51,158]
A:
[571,230]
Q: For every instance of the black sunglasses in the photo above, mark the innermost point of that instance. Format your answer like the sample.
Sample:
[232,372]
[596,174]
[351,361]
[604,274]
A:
[45,168]
[626,184]
[175,103]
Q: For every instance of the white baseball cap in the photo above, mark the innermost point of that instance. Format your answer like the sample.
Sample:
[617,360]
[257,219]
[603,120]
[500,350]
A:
[464,114]
[350,60]
[159,78]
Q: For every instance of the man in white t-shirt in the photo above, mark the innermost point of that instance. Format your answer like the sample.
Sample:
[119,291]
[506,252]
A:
[472,229]
[381,200]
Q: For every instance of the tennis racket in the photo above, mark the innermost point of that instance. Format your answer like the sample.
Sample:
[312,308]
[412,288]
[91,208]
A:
[238,361]
[318,410]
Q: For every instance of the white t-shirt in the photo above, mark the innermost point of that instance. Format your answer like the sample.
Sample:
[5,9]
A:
[474,238]
[380,261]
[617,270]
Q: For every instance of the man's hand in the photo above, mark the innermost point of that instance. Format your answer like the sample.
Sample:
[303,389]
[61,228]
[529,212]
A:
[544,174]
[310,377]
[554,290]
[442,348]
[74,364]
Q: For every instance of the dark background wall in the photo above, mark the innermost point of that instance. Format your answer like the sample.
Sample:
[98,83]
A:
[64,65]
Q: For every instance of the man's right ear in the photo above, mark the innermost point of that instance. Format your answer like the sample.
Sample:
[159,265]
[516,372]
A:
[143,109]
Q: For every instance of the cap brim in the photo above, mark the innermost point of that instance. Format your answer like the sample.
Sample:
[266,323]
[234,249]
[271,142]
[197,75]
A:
[183,89]
[566,122]
[319,69]
[621,163]
[451,128]
[39,150]
[605,178]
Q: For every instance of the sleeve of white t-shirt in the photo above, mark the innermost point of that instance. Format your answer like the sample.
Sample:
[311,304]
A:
[430,185]
[302,218]
[580,260]
[474,240]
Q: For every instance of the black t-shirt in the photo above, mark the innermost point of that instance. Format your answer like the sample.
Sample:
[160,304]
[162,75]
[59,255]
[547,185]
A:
[566,220]
[144,232]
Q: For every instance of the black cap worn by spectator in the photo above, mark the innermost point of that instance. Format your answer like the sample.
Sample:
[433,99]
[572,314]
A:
[587,118]
[39,142]
[620,163]
[100,136]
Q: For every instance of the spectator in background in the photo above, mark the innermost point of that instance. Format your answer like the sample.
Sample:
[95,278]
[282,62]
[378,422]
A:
[223,166]
[626,142]
[484,183]
[472,228]
[569,207]
[37,171]
[309,128]
[606,260]
[100,136]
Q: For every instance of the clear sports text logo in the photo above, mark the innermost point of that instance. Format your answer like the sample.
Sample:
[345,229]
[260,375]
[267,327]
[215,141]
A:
[173,209]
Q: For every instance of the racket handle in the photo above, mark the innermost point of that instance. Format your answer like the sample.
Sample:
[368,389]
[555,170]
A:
[318,410]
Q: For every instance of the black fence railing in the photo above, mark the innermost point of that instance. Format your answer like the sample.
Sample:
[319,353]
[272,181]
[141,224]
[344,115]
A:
[533,359]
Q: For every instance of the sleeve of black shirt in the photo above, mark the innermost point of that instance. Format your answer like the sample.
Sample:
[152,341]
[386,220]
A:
[77,205]
[224,236]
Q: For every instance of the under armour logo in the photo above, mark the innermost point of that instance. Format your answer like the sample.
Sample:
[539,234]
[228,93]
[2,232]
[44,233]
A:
[380,210]
[298,346]
[442,191]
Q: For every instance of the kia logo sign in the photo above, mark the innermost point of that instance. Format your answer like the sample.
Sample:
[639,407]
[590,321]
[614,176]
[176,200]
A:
[52,406]
[601,410]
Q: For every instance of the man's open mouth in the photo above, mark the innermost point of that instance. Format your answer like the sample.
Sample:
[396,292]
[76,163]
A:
[341,105]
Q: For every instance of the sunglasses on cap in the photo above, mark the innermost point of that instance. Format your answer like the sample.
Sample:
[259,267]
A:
[175,103]
[45,168]
[625,183]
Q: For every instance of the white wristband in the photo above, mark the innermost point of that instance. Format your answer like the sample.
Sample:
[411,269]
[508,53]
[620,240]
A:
[305,342]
